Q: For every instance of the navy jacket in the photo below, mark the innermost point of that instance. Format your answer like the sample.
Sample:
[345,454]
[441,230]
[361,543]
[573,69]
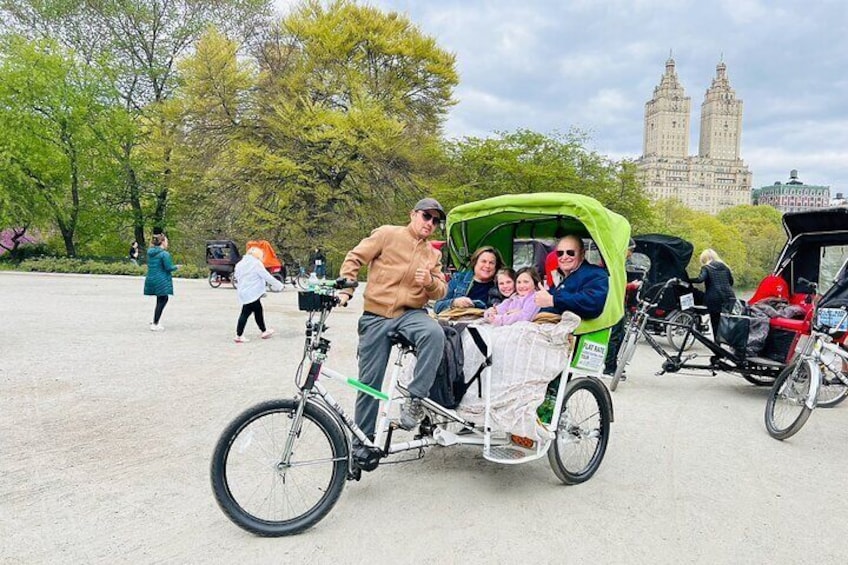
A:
[583,292]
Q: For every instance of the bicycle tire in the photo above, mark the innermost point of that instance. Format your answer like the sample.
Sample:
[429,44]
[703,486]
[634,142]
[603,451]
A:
[832,392]
[214,279]
[674,334]
[302,282]
[246,483]
[233,280]
[582,432]
[788,397]
[625,355]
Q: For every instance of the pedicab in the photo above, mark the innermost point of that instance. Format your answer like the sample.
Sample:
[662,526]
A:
[281,465]
[666,257]
[221,258]
[269,258]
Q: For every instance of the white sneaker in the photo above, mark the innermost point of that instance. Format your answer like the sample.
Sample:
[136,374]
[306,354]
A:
[267,333]
[157,327]
[241,339]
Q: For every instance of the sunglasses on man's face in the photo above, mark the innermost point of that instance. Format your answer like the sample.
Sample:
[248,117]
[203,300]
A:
[428,217]
[569,252]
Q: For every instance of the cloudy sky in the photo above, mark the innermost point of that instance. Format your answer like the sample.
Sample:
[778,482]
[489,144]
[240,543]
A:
[549,65]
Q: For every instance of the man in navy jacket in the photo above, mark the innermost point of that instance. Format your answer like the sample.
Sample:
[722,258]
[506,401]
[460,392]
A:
[582,288]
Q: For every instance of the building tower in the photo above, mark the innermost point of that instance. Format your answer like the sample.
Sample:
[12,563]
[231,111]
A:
[667,118]
[721,119]
[716,178]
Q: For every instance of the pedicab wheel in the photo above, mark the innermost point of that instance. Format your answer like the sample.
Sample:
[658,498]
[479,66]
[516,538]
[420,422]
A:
[233,280]
[625,354]
[677,335]
[582,431]
[214,279]
[261,494]
[786,407]
[831,392]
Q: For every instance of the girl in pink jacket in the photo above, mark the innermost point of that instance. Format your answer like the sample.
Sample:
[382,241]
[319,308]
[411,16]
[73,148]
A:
[521,306]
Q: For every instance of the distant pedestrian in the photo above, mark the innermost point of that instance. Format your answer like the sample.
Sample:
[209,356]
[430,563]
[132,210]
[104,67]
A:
[134,253]
[252,276]
[319,263]
[718,286]
[158,281]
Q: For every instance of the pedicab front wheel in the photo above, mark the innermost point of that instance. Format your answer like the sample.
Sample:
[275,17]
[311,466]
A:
[266,493]
[582,431]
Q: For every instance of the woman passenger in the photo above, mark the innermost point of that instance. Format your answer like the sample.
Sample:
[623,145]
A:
[470,289]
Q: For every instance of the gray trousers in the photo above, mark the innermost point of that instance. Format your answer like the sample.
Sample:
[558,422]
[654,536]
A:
[374,350]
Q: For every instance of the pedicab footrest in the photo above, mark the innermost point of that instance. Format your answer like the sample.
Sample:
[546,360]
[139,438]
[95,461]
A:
[508,453]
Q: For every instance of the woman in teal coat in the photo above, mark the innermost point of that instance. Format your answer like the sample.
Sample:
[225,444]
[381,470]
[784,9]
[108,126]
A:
[158,281]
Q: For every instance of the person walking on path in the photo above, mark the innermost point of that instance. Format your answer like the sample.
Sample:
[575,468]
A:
[319,263]
[134,253]
[159,282]
[718,286]
[252,276]
[404,273]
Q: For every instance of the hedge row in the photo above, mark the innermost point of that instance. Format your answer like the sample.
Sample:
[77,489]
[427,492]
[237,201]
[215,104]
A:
[68,265]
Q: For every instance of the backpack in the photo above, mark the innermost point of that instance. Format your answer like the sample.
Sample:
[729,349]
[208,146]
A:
[449,386]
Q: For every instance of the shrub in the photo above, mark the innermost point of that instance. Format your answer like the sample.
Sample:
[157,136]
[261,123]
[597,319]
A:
[70,265]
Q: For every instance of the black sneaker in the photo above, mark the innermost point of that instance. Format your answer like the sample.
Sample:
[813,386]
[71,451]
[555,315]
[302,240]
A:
[411,413]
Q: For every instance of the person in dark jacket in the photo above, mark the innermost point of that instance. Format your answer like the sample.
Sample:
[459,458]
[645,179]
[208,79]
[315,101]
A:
[582,288]
[158,281]
[718,286]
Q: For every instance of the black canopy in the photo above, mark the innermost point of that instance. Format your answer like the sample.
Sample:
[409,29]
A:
[669,256]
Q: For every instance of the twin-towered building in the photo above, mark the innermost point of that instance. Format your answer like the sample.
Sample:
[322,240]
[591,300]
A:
[716,178]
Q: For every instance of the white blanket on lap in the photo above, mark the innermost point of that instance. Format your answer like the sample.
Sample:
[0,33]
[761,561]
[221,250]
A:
[525,358]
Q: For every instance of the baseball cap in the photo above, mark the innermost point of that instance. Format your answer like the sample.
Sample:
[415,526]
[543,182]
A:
[430,204]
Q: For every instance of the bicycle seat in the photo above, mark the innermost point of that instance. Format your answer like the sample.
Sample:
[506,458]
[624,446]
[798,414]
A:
[396,338]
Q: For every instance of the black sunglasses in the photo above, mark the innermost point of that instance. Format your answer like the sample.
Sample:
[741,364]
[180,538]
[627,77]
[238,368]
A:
[428,217]
[569,252]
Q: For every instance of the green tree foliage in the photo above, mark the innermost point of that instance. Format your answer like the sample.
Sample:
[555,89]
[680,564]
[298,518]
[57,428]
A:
[324,136]
[54,115]
[525,162]
[138,42]
[761,231]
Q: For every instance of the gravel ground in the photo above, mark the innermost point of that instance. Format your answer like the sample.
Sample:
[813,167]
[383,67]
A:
[108,429]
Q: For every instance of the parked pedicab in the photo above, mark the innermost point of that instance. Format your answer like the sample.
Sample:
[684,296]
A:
[221,258]
[269,258]
[281,465]
[812,272]
[665,257]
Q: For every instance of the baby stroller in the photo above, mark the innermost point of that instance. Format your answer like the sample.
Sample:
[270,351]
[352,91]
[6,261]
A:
[221,257]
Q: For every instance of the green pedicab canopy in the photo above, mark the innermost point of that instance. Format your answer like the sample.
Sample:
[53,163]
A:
[500,220]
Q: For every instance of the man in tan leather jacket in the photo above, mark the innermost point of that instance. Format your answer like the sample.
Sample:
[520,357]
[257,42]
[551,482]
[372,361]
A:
[404,273]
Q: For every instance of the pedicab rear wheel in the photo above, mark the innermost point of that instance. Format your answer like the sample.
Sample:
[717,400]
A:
[214,279]
[582,431]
